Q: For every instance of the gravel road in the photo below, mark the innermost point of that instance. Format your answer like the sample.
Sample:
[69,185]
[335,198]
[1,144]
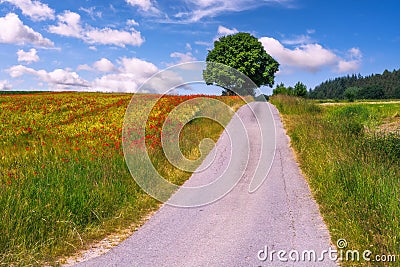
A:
[241,228]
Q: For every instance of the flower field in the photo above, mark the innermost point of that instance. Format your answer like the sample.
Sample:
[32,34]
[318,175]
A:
[63,177]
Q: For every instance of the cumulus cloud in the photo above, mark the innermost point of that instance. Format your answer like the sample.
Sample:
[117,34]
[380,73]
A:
[131,73]
[353,64]
[104,65]
[126,75]
[310,57]
[69,24]
[144,5]
[183,57]
[5,85]
[109,36]
[348,66]
[36,10]
[28,57]
[166,81]
[226,31]
[13,31]
[84,67]
[137,66]
[59,78]
[301,39]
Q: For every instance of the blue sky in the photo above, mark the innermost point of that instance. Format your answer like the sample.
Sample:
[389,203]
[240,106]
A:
[97,45]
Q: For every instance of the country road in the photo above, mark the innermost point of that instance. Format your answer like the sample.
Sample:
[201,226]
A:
[233,231]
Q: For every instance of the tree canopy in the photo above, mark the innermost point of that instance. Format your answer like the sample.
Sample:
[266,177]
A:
[375,86]
[245,54]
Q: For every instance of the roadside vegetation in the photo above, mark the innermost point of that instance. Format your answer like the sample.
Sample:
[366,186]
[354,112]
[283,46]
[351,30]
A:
[63,178]
[350,154]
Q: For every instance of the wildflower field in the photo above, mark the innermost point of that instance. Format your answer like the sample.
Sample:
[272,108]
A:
[63,177]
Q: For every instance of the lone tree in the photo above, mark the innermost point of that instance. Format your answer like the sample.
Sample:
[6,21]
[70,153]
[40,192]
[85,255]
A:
[244,53]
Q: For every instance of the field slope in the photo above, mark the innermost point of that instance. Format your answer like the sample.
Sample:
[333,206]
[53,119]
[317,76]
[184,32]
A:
[63,177]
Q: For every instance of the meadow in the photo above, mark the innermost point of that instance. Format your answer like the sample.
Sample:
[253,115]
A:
[64,182]
[350,154]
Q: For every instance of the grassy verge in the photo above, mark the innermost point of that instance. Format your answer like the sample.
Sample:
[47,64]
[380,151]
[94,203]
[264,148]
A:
[63,177]
[353,169]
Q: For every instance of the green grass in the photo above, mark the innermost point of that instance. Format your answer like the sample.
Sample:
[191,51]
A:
[353,169]
[64,182]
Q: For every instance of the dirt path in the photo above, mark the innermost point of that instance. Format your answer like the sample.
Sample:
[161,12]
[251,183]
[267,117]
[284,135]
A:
[239,228]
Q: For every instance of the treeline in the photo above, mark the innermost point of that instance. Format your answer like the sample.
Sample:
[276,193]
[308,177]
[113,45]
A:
[20,92]
[375,86]
[299,90]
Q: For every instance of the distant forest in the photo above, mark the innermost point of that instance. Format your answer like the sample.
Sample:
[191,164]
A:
[375,86]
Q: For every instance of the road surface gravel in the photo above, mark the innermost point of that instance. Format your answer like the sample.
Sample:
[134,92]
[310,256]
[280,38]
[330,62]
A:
[239,228]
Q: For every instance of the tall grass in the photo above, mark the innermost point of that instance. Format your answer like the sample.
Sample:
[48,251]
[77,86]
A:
[353,171]
[63,178]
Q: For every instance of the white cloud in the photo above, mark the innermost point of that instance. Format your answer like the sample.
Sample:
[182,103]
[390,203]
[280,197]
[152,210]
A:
[5,85]
[115,83]
[84,67]
[33,9]
[298,40]
[165,82]
[144,5]
[109,36]
[348,66]
[202,43]
[127,75]
[199,9]
[91,11]
[28,57]
[69,24]
[183,57]
[353,64]
[355,53]
[104,65]
[13,31]
[137,67]
[311,31]
[132,22]
[309,57]
[59,78]
[131,73]
[188,47]
[225,31]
